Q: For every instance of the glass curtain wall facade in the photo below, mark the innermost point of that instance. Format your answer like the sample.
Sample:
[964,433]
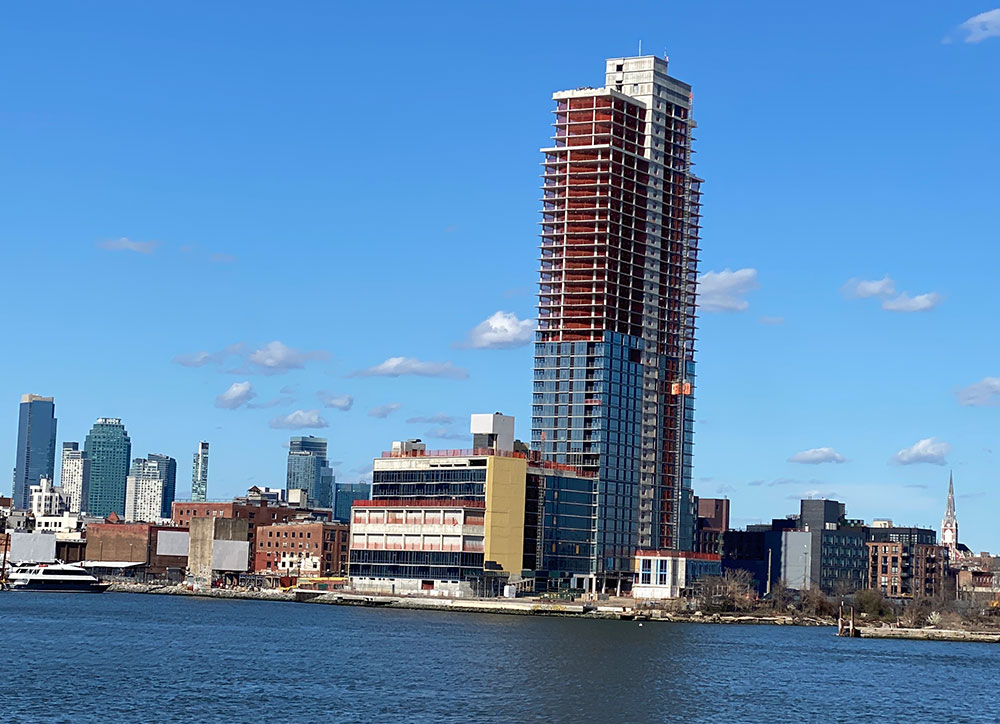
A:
[109,449]
[36,447]
[309,470]
[199,473]
[614,352]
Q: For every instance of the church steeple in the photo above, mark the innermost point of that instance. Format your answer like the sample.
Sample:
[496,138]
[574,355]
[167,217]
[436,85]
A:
[949,513]
[949,524]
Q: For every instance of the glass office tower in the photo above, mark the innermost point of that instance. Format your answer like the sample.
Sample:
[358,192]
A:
[36,446]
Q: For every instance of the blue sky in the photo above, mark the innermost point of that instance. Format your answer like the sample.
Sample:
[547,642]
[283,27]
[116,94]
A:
[219,219]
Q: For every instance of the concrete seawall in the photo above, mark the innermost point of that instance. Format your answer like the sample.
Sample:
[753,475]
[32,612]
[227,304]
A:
[503,606]
[928,634]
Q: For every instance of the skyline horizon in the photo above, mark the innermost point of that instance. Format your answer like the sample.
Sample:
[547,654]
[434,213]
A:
[242,266]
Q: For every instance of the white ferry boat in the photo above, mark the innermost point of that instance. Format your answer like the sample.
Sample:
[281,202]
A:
[53,576]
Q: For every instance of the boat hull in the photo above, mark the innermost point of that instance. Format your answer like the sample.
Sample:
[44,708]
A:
[61,587]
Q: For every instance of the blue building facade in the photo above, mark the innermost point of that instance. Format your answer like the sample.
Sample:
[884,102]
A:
[109,450]
[36,446]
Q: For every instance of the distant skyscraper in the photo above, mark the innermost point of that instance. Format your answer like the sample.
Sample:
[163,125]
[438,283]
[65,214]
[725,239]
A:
[199,473]
[75,476]
[309,470]
[109,450]
[150,488]
[949,524]
[36,446]
[344,496]
[614,352]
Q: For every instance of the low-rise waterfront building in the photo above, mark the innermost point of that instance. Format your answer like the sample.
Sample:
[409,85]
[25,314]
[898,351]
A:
[450,521]
[666,574]
[302,548]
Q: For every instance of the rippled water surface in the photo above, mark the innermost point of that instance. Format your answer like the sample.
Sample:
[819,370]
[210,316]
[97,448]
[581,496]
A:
[127,657]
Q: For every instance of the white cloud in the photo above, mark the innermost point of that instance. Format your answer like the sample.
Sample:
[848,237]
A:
[438,419]
[275,358]
[501,330]
[123,244]
[863,289]
[238,394]
[885,288]
[905,303]
[276,402]
[928,450]
[397,366]
[198,359]
[985,393]
[383,411]
[338,402]
[982,26]
[724,291]
[817,455]
[443,433]
[298,420]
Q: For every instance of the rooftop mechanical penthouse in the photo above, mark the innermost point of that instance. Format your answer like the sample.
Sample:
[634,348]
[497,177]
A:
[614,353]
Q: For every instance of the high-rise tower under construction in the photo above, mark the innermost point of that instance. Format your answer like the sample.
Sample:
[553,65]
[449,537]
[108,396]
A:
[614,353]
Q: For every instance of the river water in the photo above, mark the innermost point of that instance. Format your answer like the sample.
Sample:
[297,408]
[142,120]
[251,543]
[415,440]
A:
[139,658]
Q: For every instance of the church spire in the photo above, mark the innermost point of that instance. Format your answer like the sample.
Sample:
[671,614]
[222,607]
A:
[949,513]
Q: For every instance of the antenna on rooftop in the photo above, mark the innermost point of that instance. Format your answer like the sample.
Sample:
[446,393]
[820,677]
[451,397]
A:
[640,46]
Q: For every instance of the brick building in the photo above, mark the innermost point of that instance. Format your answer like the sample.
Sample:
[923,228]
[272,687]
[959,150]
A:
[907,570]
[712,524]
[133,543]
[302,548]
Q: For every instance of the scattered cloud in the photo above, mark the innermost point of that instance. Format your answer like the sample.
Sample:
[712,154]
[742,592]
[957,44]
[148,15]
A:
[198,359]
[985,393]
[186,248]
[916,486]
[383,411]
[276,402]
[123,244]
[972,496]
[222,258]
[298,420]
[338,402]
[724,489]
[861,289]
[438,419]
[905,303]
[885,289]
[287,390]
[929,450]
[516,292]
[980,27]
[238,394]
[755,483]
[398,366]
[724,291]
[814,495]
[817,455]
[771,321]
[501,330]
[443,433]
[276,358]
